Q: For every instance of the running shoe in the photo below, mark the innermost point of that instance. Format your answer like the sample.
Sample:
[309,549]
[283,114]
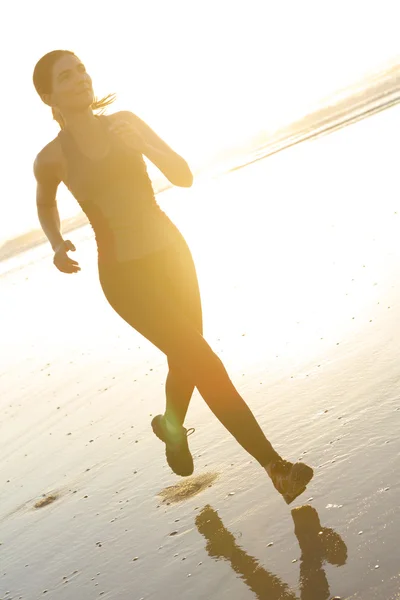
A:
[290,479]
[177,450]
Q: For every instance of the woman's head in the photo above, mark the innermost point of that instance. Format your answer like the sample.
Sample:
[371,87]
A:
[62,82]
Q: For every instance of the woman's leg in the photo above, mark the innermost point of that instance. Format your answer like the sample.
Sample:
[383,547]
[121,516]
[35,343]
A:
[183,289]
[178,391]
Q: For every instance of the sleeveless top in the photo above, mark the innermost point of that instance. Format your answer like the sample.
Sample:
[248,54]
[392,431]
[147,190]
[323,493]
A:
[117,196]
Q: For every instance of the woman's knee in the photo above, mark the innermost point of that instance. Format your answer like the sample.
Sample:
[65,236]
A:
[197,359]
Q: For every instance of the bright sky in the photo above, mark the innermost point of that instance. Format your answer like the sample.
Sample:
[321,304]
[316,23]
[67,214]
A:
[202,73]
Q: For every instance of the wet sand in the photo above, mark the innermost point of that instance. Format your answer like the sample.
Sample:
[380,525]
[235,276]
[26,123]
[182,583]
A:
[298,260]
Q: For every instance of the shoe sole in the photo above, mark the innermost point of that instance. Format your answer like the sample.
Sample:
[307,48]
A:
[301,476]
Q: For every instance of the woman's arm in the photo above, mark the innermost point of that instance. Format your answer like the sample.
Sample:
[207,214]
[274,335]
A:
[46,189]
[49,217]
[171,164]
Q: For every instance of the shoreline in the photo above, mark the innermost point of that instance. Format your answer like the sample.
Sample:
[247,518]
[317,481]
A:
[284,143]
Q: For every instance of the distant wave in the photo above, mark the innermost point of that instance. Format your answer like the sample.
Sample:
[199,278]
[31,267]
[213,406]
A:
[326,120]
[31,239]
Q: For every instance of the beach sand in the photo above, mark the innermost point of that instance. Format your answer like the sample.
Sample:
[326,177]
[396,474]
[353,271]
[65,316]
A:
[298,261]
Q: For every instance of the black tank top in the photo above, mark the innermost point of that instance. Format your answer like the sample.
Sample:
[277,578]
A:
[117,196]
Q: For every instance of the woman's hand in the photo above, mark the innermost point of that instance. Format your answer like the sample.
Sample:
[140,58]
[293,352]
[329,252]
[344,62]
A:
[129,134]
[141,138]
[62,261]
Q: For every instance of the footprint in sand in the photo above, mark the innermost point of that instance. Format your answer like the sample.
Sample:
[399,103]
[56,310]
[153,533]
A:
[46,500]
[187,488]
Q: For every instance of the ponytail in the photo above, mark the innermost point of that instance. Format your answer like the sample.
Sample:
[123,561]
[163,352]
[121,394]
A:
[98,106]
[101,105]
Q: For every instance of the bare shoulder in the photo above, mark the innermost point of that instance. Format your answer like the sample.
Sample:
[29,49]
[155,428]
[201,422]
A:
[121,114]
[145,131]
[141,126]
[48,163]
[124,115]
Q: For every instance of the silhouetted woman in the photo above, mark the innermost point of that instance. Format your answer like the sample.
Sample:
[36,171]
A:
[145,266]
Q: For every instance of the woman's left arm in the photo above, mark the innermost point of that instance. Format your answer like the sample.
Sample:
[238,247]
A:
[137,133]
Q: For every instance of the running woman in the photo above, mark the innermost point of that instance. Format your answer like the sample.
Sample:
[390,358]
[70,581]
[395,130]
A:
[146,269]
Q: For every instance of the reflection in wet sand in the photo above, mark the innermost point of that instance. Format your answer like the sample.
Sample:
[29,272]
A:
[317,544]
[222,544]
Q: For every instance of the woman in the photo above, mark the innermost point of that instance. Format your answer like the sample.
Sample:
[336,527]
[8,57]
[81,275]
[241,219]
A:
[145,267]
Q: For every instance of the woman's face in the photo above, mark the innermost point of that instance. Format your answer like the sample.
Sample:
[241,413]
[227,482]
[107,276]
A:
[71,85]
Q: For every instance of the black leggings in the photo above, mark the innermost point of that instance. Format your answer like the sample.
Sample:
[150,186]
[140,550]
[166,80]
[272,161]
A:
[158,295]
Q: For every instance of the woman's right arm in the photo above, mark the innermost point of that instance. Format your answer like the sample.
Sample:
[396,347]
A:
[47,185]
